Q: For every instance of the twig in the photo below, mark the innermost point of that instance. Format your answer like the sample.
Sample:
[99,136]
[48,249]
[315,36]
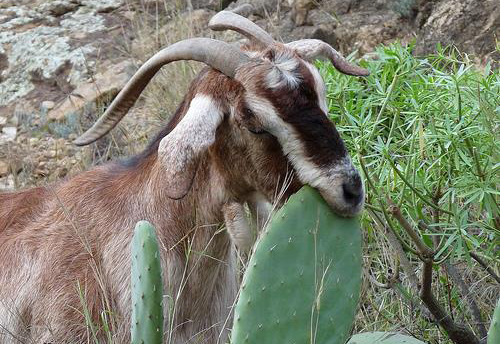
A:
[422,247]
[464,290]
[386,216]
[396,246]
[374,281]
[485,266]
[417,193]
[382,108]
[472,152]
[480,172]
[457,333]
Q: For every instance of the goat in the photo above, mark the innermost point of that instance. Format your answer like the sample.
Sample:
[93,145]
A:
[254,120]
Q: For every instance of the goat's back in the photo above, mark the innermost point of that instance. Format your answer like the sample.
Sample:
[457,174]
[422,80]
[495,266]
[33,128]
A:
[17,208]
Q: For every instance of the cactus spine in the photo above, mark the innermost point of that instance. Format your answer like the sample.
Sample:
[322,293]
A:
[494,331]
[147,287]
[303,280]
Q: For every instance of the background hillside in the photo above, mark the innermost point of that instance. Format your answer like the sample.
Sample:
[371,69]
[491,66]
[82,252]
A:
[61,60]
[423,127]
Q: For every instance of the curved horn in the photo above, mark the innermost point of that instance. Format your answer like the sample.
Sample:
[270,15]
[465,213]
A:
[227,20]
[310,49]
[216,54]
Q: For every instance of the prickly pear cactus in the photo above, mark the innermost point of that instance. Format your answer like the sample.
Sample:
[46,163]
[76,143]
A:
[147,287]
[494,331]
[303,280]
[382,338]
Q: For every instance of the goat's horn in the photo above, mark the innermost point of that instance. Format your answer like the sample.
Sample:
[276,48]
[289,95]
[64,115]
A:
[227,20]
[216,54]
[309,49]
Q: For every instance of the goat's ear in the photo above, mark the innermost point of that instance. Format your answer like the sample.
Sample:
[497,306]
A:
[180,150]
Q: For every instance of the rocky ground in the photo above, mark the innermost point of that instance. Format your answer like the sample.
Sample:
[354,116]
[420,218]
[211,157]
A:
[62,60]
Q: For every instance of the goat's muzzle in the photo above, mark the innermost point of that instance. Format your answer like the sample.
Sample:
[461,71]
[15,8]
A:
[343,190]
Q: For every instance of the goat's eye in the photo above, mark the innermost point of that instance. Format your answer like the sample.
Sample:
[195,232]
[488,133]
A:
[257,131]
[248,112]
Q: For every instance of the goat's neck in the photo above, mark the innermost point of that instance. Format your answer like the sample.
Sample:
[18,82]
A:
[200,211]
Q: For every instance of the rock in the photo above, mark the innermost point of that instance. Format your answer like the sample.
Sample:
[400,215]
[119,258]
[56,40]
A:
[102,5]
[40,173]
[50,154]
[300,10]
[104,88]
[244,10]
[13,121]
[3,121]
[61,172]
[48,105]
[215,5]
[58,7]
[49,47]
[8,134]
[130,15]
[4,169]
[43,54]
[7,3]
[7,183]
[472,26]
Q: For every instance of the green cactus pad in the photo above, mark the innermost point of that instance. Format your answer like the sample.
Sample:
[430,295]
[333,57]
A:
[147,287]
[494,331]
[303,280]
[382,338]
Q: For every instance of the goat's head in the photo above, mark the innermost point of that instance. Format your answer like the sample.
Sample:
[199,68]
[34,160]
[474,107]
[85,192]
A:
[277,114]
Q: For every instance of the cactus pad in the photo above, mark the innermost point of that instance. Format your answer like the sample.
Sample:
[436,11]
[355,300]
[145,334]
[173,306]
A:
[147,287]
[382,338]
[303,280]
[494,331]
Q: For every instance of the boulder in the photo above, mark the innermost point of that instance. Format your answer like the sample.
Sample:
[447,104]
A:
[49,48]
[472,26]
[104,87]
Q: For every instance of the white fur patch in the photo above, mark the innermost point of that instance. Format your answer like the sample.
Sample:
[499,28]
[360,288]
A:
[319,86]
[196,130]
[284,71]
[193,135]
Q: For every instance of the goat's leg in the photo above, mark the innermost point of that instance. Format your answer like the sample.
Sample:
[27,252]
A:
[260,210]
[237,226]
[243,233]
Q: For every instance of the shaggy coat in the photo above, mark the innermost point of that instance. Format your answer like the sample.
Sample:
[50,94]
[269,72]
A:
[65,248]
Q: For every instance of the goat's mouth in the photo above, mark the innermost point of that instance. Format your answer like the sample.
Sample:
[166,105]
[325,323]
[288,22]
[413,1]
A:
[343,203]
[344,192]
[342,189]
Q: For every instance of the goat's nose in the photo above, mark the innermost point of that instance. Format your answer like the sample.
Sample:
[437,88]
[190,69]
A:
[353,190]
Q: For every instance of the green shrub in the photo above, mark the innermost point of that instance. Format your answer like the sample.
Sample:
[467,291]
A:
[426,134]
